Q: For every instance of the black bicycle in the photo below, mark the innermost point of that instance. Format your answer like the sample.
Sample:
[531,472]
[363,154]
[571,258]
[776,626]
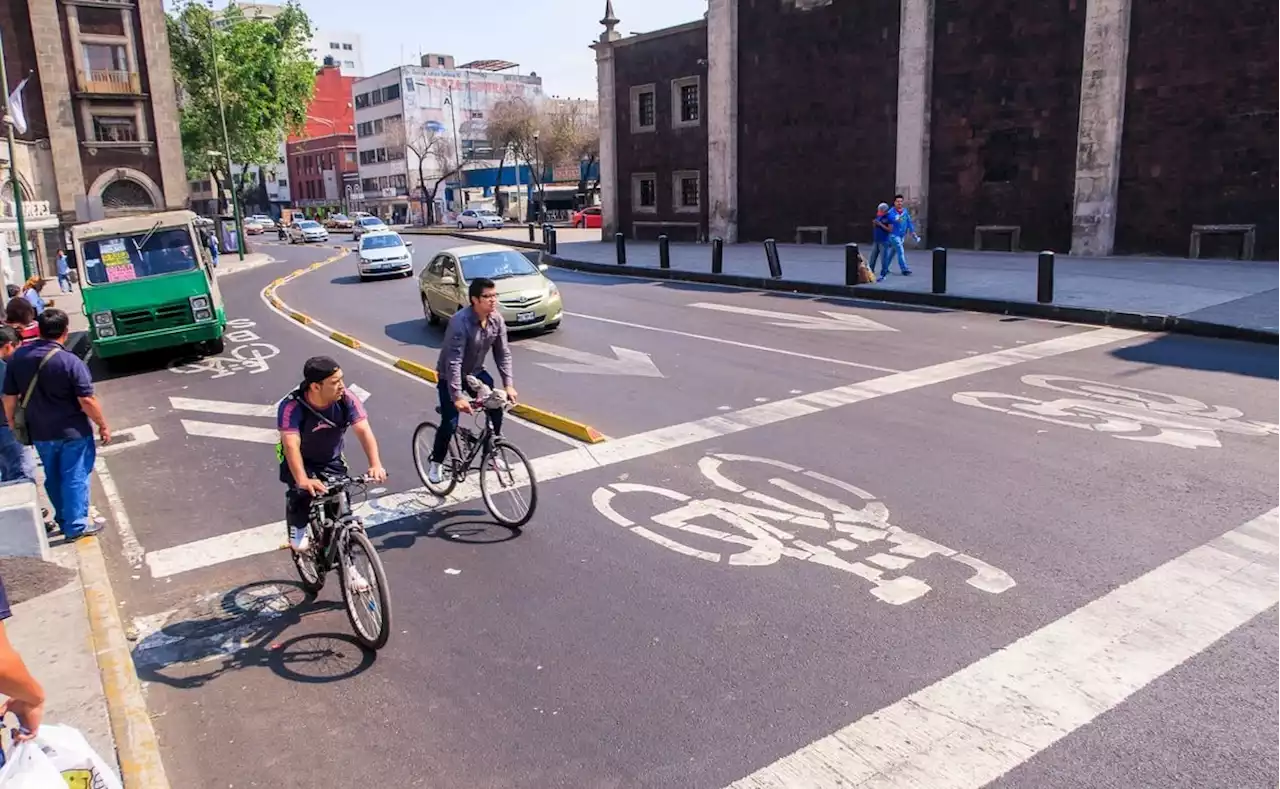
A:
[505,471]
[338,541]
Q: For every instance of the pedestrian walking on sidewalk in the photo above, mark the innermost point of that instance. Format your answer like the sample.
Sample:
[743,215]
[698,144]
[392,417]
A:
[900,218]
[64,272]
[882,247]
[19,314]
[25,696]
[17,462]
[213,247]
[55,390]
[31,292]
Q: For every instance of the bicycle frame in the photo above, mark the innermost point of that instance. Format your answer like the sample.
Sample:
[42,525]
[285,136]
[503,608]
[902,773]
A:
[330,526]
[479,446]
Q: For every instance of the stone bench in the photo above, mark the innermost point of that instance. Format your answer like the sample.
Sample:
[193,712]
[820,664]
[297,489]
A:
[21,526]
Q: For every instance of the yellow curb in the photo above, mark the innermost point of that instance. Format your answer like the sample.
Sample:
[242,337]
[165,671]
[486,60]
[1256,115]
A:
[347,340]
[584,433]
[413,368]
[137,746]
[299,272]
[300,318]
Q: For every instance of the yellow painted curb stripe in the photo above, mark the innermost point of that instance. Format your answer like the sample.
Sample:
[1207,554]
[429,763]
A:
[584,433]
[347,340]
[137,746]
[300,318]
[413,368]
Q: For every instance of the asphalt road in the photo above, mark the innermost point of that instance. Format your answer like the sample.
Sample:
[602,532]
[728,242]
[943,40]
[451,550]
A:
[792,527]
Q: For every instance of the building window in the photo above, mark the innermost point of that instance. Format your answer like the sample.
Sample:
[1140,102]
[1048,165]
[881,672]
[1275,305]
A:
[281,184]
[644,109]
[105,57]
[377,126]
[364,129]
[334,45]
[686,188]
[115,128]
[644,193]
[362,101]
[349,63]
[346,47]
[477,115]
[440,62]
[686,102]
[391,92]
[382,154]
[369,185]
[398,181]
[349,158]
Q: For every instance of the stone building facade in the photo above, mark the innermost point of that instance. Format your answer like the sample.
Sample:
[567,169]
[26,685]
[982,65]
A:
[102,123]
[1091,126]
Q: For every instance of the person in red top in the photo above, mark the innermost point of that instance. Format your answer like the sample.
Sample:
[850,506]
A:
[21,315]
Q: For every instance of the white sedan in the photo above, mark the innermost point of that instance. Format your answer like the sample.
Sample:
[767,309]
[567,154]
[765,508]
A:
[367,224]
[383,253]
[307,230]
[480,219]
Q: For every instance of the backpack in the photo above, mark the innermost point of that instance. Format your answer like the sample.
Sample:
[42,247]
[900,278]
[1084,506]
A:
[296,394]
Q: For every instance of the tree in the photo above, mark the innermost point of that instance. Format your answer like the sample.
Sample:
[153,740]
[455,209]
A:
[431,153]
[507,118]
[576,135]
[534,141]
[266,75]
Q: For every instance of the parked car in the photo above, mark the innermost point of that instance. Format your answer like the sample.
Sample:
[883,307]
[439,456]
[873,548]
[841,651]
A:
[338,222]
[480,219]
[587,217]
[527,299]
[305,230]
[383,253]
[253,227]
[366,224]
[262,219]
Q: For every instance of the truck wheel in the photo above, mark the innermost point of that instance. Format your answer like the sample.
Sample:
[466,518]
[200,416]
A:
[214,347]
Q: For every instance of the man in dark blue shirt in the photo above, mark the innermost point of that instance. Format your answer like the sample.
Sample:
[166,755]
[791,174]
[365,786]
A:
[56,391]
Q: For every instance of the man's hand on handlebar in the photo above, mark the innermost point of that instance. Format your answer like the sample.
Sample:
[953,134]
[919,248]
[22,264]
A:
[313,486]
[376,474]
[463,405]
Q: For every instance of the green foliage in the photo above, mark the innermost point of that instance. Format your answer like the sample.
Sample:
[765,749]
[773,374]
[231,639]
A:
[265,73]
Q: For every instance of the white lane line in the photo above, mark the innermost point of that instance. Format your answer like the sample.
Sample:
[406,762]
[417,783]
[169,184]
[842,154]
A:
[137,436]
[428,408]
[827,321]
[257,435]
[734,343]
[222,407]
[133,552]
[986,719]
[261,539]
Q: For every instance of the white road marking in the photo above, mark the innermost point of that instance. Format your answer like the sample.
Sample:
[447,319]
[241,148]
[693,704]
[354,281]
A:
[734,343]
[625,361]
[133,551]
[142,434]
[257,435]
[358,392]
[986,719]
[828,321]
[222,407]
[269,537]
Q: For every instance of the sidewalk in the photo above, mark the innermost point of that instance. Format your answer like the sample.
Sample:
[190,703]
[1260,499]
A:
[1221,298]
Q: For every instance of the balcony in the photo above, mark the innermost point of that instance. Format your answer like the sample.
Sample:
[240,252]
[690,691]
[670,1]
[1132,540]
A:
[104,81]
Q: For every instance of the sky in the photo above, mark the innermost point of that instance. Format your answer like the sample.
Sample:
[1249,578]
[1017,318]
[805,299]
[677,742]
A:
[547,36]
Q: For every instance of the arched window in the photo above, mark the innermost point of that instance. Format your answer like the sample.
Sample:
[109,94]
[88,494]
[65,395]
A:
[126,194]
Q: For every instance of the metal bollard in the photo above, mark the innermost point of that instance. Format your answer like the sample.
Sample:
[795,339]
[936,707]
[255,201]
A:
[530,232]
[664,252]
[717,255]
[1044,278]
[939,270]
[546,233]
[851,264]
[552,247]
[771,255]
[620,243]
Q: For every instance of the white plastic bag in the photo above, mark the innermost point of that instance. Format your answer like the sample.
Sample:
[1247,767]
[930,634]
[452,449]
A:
[27,767]
[71,755]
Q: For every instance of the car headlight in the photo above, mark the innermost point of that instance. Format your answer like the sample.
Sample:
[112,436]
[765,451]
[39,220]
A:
[552,290]
[106,331]
[199,302]
[102,318]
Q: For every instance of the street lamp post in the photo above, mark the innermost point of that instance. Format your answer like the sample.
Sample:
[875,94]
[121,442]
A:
[457,148]
[226,140]
[19,213]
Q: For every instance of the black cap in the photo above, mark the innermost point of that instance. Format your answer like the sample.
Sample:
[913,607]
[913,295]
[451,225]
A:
[318,368]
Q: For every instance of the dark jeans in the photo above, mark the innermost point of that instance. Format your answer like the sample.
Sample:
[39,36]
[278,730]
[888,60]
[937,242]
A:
[297,502]
[449,416]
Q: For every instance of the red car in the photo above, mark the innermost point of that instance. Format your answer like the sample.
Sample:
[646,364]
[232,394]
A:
[587,217]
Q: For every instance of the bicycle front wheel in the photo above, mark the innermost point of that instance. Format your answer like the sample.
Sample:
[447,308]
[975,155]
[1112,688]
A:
[507,485]
[364,587]
[308,564]
[424,439]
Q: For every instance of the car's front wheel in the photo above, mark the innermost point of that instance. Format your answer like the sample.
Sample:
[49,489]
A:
[432,318]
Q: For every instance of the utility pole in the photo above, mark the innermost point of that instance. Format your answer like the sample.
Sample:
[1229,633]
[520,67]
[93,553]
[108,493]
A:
[19,213]
[226,139]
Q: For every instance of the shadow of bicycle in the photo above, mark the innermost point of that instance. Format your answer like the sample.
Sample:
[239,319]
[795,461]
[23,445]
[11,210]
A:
[469,527]
[240,630]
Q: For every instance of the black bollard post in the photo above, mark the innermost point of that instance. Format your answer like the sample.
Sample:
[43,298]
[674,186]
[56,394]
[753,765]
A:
[851,264]
[939,270]
[546,235]
[1044,278]
[553,249]
[771,255]
[717,255]
[664,252]
[530,232]
[620,242]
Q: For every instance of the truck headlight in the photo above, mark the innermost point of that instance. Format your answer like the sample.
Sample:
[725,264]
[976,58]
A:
[106,331]
[199,303]
[103,319]
[205,314]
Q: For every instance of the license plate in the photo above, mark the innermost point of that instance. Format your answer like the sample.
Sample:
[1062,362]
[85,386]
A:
[526,317]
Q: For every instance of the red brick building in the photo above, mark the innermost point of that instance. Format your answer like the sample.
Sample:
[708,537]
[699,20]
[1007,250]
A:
[330,111]
[321,172]
[1095,126]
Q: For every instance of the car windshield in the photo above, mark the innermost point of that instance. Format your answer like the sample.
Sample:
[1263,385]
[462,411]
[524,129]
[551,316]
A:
[496,265]
[381,241]
[138,256]
[486,213]
[370,221]
[308,225]
[338,218]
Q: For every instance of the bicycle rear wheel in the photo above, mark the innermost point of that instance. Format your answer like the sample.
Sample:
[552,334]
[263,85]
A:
[424,438]
[504,474]
[307,564]
[365,592]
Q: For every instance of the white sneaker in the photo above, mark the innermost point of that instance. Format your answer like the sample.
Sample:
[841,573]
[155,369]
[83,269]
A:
[499,462]
[356,581]
[433,474]
[300,540]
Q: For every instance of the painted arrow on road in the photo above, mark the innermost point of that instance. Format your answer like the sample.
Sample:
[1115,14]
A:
[256,435]
[833,321]
[625,361]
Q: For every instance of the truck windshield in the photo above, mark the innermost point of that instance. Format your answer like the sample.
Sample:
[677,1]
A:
[138,256]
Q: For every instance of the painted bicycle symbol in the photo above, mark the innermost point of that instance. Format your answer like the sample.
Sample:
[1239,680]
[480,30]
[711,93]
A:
[764,527]
[251,356]
[1122,412]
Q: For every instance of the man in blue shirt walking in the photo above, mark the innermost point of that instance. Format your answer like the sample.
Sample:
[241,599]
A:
[900,218]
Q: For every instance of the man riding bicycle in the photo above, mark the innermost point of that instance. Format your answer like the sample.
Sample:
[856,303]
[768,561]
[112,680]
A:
[473,331]
[313,421]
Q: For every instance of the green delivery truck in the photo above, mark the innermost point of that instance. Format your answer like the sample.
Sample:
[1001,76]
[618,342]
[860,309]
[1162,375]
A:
[147,282]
